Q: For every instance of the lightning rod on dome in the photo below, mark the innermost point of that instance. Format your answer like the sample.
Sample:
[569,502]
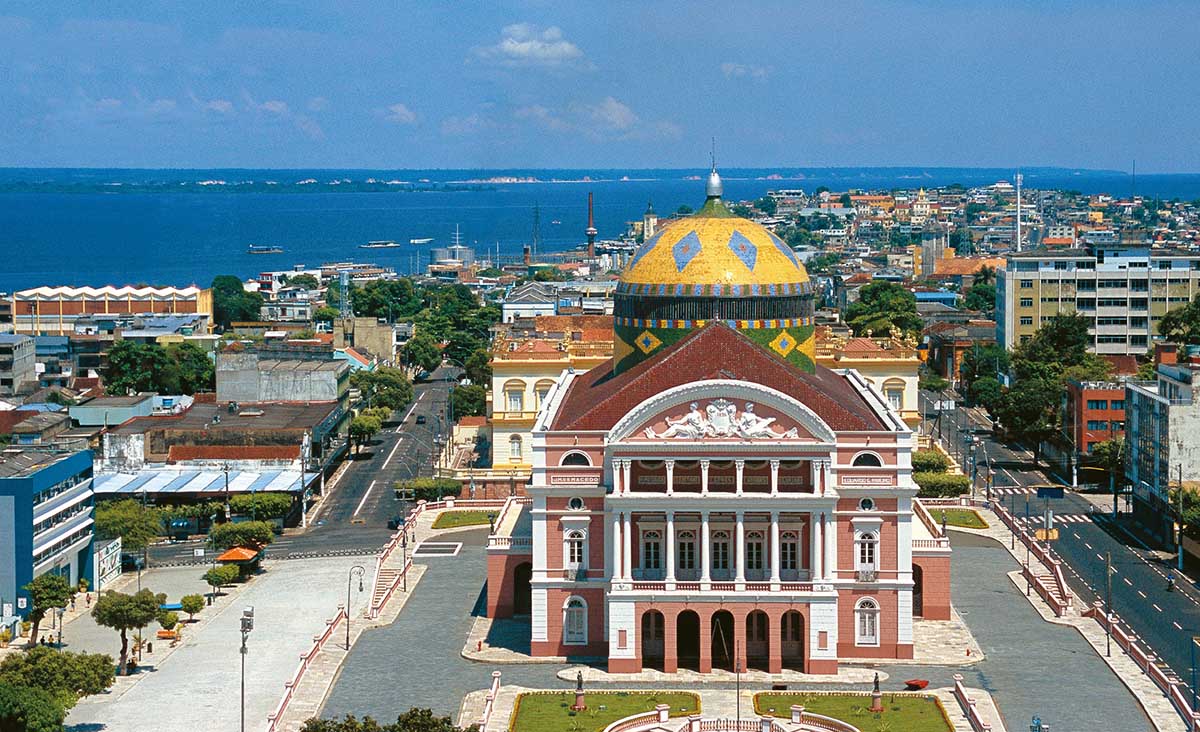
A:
[714,187]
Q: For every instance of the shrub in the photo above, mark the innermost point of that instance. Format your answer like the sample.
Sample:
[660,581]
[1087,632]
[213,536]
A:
[243,533]
[929,461]
[168,619]
[430,489]
[941,485]
[262,505]
[933,382]
[192,604]
[222,575]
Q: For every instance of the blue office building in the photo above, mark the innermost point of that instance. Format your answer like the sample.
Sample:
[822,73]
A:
[46,502]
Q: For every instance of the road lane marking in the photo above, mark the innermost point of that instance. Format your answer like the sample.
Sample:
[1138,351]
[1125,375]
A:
[1177,625]
[1143,594]
[1127,581]
[364,500]
[392,454]
[1156,607]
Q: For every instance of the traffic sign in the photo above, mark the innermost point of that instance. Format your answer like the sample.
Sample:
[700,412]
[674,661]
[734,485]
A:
[198,552]
[1049,491]
[1046,534]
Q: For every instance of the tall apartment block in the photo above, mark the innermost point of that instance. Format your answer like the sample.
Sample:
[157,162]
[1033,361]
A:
[1124,289]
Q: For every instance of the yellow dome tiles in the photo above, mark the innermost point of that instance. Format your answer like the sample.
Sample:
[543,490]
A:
[733,256]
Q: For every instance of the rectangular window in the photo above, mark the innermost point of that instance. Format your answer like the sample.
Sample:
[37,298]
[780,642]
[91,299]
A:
[720,555]
[687,555]
[1097,425]
[1118,426]
[789,555]
[1117,404]
[652,554]
[1027,302]
[1026,320]
[754,555]
[1026,283]
[515,401]
[1097,404]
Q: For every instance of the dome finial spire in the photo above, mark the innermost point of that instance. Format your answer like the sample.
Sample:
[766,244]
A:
[714,188]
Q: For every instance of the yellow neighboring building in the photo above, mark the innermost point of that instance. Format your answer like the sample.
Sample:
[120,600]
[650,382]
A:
[889,363]
[525,366]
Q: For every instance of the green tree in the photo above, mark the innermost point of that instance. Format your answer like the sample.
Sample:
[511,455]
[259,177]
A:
[414,720]
[222,576]
[550,274]
[428,489]
[386,299]
[767,205]
[987,393]
[982,298]
[196,370]
[191,604]
[325,314]
[469,401]
[253,534]
[128,519]
[882,306]
[122,612]
[262,505]
[822,263]
[46,592]
[68,676]
[1191,511]
[29,709]
[1029,411]
[135,367]
[1182,324]
[362,429]
[168,619]
[741,210]
[982,360]
[422,350]
[231,302]
[685,210]
[303,279]
[929,461]
[386,386]
[941,485]
[478,367]
[846,201]
[1110,456]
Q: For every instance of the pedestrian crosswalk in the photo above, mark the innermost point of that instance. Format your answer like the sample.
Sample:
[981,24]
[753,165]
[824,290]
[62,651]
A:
[1059,518]
[1019,490]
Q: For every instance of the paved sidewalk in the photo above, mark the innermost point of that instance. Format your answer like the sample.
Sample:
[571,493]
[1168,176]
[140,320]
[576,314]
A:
[197,687]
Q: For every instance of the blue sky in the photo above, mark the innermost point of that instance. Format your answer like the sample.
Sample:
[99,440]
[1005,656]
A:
[599,84]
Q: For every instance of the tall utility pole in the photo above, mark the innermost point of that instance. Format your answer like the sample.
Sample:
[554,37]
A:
[1018,242]
[537,230]
[1179,551]
[1108,601]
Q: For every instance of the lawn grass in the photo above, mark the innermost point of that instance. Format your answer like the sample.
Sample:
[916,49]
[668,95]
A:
[552,712]
[964,517]
[902,713]
[455,519]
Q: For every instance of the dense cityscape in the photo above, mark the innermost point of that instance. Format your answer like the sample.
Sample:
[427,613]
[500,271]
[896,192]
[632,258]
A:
[454,369]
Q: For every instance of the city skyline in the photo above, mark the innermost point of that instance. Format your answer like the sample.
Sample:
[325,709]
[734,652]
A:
[534,85]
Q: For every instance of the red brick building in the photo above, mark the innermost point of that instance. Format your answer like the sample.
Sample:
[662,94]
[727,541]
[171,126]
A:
[1093,412]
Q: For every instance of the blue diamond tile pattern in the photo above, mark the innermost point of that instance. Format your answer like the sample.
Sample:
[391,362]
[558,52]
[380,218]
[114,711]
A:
[645,248]
[685,250]
[784,249]
[743,249]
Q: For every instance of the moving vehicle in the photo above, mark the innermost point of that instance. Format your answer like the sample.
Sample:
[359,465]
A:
[263,249]
[419,242]
[379,245]
[421,419]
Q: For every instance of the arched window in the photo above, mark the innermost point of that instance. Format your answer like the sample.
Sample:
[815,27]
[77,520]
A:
[866,551]
[866,623]
[651,550]
[515,453]
[576,549]
[866,460]
[576,458]
[575,621]
[514,395]
[893,390]
[541,390]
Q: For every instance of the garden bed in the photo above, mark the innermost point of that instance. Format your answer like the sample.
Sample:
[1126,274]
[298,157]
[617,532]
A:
[902,712]
[962,517]
[551,712]
[456,519]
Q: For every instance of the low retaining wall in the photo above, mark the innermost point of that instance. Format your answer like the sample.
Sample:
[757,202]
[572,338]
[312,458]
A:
[289,687]
[969,707]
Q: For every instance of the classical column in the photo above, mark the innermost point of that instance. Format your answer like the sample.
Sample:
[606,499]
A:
[705,641]
[670,477]
[626,467]
[618,562]
[670,642]
[741,548]
[775,643]
[829,534]
[704,477]
[627,559]
[740,466]
[774,477]
[825,475]
[670,545]
[775,553]
[815,548]
[616,477]
[705,552]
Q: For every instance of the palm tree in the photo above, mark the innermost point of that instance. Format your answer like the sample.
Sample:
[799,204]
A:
[985,276]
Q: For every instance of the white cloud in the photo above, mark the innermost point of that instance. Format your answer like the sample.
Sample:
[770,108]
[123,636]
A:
[543,116]
[318,104]
[221,106]
[400,114]
[608,119]
[528,45]
[733,70]
[466,125]
[274,106]
[107,104]
[309,127]
[610,114]
[161,106]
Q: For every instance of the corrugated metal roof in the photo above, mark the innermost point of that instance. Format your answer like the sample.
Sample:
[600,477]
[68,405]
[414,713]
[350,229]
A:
[200,481]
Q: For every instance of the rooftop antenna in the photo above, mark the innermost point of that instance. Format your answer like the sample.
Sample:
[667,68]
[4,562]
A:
[1018,210]
[591,230]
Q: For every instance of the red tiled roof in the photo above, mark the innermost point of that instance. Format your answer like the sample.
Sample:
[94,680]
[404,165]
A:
[180,453]
[861,345]
[12,418]
[598,399]
[1123,364]
[238,554]
[472,421]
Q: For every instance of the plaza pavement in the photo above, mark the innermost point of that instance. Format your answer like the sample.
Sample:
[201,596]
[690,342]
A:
[196,687]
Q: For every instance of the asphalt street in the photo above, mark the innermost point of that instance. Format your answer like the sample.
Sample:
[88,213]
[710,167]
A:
[359,502]
[1166,621]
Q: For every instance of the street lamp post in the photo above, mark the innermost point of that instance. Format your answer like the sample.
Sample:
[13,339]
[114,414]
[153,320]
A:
[247,626]
[404,556]
[1195,640]
[355,571]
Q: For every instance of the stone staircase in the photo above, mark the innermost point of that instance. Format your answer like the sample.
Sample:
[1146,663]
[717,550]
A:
[387,575]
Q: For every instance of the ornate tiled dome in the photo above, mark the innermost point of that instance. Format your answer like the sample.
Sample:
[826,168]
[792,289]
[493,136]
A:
[714,266]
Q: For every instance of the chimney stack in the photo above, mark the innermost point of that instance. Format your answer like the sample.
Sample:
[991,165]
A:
[591,230]
[527,255]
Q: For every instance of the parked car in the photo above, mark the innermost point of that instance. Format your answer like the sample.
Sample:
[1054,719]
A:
[421,419]
[395,523]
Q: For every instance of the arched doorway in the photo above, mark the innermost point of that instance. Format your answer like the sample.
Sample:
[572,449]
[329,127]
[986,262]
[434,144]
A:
[653,625]
[722,640]
[918,609]
[522,592]
[791,630]
[687,640]
[758,641]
